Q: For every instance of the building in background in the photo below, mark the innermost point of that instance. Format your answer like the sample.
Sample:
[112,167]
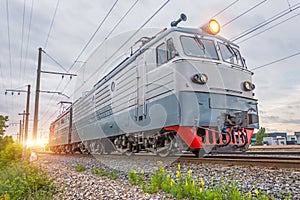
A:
[297,134]
[279,138]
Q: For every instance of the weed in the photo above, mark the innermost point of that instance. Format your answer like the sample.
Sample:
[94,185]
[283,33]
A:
[136,177]
[185,186]
[80,168]
[113,175]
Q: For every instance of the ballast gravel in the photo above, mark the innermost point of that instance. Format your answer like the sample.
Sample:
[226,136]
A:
[84,185]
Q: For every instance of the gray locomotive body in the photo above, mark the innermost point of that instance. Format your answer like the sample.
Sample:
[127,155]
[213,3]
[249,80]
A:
[182,89]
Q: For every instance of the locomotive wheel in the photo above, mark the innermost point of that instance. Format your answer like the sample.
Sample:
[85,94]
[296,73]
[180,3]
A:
[199,153]
[128,153]
[68,148]
[244,138]
[83,149]
[166,149]
[224,138]
[99,148]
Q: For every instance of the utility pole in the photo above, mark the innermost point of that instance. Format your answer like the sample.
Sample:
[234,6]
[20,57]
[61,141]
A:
[26,120]
[26,114]
[38,91]
[23,127]
[37,97]
[20,133]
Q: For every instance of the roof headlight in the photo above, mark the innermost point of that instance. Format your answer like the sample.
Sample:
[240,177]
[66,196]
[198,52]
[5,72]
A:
[248,86]
[212,27]
[200,78]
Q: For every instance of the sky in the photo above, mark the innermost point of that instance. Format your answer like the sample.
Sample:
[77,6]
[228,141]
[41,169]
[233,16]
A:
[63,28]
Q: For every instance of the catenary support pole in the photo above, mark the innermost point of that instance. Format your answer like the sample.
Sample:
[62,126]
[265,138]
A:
[37,97]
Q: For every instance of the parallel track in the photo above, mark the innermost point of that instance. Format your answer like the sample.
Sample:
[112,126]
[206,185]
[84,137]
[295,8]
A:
[246,160]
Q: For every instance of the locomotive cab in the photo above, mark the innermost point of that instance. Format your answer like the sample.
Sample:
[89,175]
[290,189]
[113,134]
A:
[214,89]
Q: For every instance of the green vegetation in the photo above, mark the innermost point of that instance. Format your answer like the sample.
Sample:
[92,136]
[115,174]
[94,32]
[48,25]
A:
[80,168]
[20,179]
[113,175]
[3,126]
[185,186]
[260,135]
[4,140]
[136,177]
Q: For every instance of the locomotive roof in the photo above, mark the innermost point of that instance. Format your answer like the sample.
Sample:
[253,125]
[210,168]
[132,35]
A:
[153,40]
[143,48]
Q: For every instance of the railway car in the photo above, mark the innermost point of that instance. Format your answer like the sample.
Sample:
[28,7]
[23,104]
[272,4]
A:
[182,89]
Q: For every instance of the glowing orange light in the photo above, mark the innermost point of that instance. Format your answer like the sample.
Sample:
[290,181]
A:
[212,27]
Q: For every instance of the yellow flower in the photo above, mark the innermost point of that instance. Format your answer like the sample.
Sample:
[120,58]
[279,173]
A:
[256,192]
[186,183]
[177,174]
[190,173]
[200,190]
[172,182]
[162,170]
[202,182]
[160,163]
[168,176]
[178,167]
[193,182]
[249,194]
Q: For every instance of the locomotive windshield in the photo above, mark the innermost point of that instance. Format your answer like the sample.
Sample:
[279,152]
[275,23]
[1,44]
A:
[198,47]
[206,48]
[230,54]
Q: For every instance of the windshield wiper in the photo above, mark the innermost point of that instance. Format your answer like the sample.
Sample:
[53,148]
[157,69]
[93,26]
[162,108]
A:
[200,43]
[231,50]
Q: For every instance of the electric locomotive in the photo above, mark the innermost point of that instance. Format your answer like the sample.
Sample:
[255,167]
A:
[182,89]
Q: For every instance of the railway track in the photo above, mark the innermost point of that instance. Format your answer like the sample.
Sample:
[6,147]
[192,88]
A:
[247,160]
[262,160]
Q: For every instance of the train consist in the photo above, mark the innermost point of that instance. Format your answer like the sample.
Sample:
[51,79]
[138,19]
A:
[182,89]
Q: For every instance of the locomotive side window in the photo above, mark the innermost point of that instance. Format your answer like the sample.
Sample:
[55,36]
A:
[171,51]
[161,54]
[230,54]
[203,48]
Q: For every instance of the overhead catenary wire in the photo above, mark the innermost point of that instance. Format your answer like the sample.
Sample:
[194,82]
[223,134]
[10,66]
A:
[120,47]
[276,61]
[9,47]
[45,113]
[28,38]
[266,22]
[227,7]
[55,61]
[84,48]
[269,28]
[22,40]
[51,25]
[93,35]
[142,26]
[114,28]
[4,85]
[242,14]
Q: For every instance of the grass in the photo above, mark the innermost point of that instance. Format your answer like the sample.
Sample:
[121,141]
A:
[80,168]
[113,175]
[20,179]
[185,186]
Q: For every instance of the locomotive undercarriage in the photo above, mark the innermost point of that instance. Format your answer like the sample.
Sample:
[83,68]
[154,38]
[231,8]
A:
[165,142]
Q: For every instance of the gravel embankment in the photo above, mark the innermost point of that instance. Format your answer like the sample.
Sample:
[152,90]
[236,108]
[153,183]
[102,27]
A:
[85,185]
